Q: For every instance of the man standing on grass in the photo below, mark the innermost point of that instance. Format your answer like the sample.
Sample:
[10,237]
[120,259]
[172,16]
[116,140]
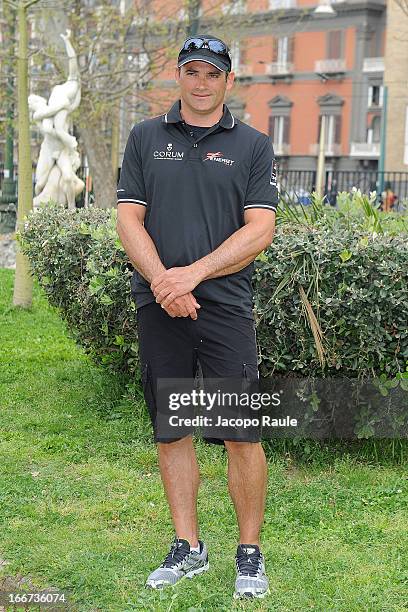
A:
[196,204]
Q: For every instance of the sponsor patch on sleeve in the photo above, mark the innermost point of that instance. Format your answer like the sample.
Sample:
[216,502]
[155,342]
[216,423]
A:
[274,172]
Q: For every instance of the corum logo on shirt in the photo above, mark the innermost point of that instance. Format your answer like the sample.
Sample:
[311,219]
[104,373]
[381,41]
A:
[217,157]
[168,154]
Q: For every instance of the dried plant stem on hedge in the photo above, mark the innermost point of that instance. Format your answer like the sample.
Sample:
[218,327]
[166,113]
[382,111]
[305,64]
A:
[314,326]
[305,262]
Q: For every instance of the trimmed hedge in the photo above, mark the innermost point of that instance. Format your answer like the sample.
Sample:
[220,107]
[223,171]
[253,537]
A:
[330,298]
[333,301]
[84,271]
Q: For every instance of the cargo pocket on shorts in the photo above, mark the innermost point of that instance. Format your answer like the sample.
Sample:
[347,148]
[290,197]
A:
[148,393]
[250,385]
[250,372]
[250,377]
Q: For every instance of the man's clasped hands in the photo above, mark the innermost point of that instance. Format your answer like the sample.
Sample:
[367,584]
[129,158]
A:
[172,289]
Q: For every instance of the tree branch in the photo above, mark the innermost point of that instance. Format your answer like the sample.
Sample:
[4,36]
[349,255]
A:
[29,3]
[403,4]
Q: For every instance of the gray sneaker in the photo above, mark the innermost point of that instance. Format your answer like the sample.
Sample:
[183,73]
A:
[179,563]
[251,578]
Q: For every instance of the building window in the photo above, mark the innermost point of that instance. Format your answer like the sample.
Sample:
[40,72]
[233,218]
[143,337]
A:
[281,4]
[374,131]
[334,44]
[279,126]
[238,58]
[234,7]
[138,61]
[283,50]
[375,96]
[235,53]
[332,130]
[237,107]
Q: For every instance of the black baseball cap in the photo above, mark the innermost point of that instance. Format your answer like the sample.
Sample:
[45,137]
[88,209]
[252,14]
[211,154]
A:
[205,48]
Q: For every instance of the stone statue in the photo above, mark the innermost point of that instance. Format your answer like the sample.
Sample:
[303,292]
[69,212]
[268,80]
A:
[55,177]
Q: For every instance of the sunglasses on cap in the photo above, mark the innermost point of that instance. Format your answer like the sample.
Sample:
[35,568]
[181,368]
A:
[214,45]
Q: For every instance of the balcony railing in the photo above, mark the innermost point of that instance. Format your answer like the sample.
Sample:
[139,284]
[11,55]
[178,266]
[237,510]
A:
[330,66]
[331,150]
[365,150]
[373,64]
[281,149]
[243,70]
[279,68]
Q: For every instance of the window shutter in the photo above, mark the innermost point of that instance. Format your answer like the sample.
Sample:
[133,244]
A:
[341,43]
[372,45]
[329,44]
[275,50]
[291,49]
[376,128]
[381,98]
[334,44]
[337,129]
[243,55]
[370,96]
[319,127]
[286,130]
[271,127]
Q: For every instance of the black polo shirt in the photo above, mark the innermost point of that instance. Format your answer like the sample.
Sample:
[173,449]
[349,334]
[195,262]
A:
[196,191]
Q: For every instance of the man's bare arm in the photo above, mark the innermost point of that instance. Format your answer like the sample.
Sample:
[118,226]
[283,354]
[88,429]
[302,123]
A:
[235,253]
[143,255]
[234,268]
[241,248]
[137,243]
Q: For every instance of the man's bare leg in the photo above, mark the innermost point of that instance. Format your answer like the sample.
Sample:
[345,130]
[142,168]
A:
[181,479]
[247,482]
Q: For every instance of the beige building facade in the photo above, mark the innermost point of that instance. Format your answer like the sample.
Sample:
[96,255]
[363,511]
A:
[396,80]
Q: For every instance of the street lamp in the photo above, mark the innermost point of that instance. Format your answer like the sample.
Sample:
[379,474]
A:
[321,158]
[323,9]
[193,11]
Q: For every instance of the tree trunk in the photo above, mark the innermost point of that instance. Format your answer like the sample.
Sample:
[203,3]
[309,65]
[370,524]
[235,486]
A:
[23,281]
[115,140]
[99,154]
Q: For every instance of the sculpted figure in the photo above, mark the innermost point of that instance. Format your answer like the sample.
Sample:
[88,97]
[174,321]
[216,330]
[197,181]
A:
[59,159]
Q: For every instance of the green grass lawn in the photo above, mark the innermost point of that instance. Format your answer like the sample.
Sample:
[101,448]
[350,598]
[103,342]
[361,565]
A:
[82,507]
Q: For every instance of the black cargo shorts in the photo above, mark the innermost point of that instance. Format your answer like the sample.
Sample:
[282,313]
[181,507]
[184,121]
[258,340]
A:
[221,343]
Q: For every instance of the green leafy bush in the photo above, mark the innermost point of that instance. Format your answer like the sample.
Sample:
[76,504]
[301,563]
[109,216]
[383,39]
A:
[83,268]
[333,301]
[331,292]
